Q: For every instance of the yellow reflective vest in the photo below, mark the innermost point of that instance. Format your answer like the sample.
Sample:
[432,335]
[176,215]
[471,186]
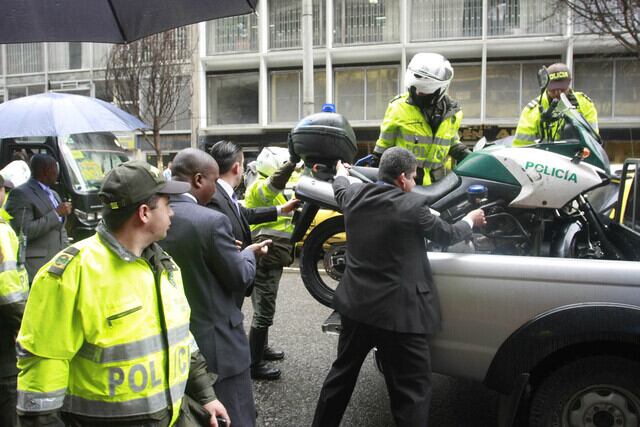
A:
[103,335]
[528,131]
[14,289]
[263,194]
[405,126]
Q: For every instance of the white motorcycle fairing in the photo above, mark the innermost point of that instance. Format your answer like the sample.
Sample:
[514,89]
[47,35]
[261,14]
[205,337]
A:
[548,180]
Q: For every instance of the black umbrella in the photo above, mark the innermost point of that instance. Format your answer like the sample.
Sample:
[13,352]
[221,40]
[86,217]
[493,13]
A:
[106,21]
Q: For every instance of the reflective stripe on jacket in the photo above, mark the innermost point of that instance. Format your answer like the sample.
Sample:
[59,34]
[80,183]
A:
[404,125]
[262,194]
[98,337]
[528,131]
[14,289]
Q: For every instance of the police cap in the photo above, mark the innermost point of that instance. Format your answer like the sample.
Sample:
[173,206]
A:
[134,181]
[559,76]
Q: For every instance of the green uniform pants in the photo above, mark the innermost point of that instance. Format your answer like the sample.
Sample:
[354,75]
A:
[263,298]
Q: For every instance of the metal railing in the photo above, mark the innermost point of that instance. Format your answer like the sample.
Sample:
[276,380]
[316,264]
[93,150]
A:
[445,19]
[285,23]
[366,21]
[523,17]
[233,34]
[25,58]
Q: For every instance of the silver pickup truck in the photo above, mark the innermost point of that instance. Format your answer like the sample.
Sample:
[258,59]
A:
[559,338]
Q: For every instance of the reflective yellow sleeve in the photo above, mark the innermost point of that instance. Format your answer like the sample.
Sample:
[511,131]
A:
[527,130]
[389,129]
[55,332]
[42,383]
[589,112]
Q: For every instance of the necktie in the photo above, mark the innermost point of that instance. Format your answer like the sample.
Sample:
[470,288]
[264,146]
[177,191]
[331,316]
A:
[53,200]
[234,199]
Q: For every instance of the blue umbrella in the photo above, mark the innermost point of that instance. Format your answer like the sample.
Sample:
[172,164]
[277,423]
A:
[55,114]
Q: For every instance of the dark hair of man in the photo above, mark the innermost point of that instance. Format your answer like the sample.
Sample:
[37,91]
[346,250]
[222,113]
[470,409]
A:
[394,162]
[40,163]
[226,154]
[114,219]
[189,162]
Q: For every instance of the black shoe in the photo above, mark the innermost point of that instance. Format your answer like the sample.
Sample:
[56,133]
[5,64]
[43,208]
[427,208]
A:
[264,372]
[271,354]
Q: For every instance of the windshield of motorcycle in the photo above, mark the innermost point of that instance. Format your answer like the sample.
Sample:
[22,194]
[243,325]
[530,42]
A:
[588,137]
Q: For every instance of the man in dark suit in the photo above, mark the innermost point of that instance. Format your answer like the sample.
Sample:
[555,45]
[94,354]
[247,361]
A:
[39,213]
[230,160]
[202,244]
[386,297]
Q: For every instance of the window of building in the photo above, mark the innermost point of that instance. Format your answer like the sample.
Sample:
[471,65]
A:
[595,78]
[20,91]
[465,89]
[366,21]
[101,53]
[363,93]
[68,56]
[285,23]
[503,91]
[627,88]
[232,99]
[441,19]
[286,94]
[182,115]
[25,58]
[523,17]
[233,34]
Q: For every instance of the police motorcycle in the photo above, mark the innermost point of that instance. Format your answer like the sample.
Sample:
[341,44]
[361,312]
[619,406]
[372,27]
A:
[537,199]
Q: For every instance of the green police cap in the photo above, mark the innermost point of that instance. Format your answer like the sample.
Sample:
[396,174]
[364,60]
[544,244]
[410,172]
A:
[134,181]
[559,76]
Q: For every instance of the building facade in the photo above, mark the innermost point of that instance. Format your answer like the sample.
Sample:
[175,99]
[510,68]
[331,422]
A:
[251,66]
[247,80]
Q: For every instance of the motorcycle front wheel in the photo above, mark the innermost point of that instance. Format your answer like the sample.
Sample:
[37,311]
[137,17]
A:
[322,260]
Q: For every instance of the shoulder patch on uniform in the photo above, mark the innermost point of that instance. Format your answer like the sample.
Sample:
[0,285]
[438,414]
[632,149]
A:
[532,103]
[395,98]
[586,96]
[61,261]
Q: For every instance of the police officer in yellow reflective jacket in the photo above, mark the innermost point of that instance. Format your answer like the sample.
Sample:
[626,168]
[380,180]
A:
[14,288]
[275,170]
[424,120]
[105,336]
[531,128]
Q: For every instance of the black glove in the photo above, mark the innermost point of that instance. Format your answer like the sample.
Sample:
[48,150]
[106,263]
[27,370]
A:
[375,159]
[459,151]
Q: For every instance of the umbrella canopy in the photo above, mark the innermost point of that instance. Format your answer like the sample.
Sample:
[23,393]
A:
[55,114]
[107,21]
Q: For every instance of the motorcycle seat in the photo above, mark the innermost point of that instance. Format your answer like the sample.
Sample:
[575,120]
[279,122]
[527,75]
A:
[439,189]
[371,173]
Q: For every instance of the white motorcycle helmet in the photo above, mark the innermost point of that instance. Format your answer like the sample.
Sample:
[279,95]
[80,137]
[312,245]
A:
[429,73]
[271,159]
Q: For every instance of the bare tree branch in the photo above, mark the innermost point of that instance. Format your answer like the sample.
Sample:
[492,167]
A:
[148,78]
[619,19]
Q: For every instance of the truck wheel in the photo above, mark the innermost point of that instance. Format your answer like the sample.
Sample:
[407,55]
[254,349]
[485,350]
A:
[322,260]
[598,391]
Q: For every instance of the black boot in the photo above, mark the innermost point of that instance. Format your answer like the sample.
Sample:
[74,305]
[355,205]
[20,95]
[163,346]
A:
[259,369]
[269,353]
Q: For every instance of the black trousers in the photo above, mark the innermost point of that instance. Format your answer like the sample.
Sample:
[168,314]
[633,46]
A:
[236,394]
[406,364]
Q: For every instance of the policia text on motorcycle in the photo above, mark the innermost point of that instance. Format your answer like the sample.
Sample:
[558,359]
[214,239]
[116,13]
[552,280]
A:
[105,335]
[424,120]
[537,122]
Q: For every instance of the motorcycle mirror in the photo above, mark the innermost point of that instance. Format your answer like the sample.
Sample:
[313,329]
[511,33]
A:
[480,144]
[543,78]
